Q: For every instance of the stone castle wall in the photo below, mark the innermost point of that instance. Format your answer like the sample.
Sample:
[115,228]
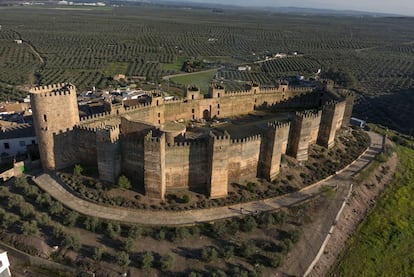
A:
[129,140]
[186,165]
[244,158]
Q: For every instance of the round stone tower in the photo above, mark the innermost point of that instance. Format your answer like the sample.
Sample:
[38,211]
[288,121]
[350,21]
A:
[55,113]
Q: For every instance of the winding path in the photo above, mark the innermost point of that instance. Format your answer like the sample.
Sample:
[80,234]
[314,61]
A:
[32,48]
[171,218]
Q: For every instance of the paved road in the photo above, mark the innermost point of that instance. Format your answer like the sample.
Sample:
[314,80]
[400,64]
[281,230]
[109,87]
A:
[47,183]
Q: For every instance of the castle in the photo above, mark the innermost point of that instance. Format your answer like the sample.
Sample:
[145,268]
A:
[146,143]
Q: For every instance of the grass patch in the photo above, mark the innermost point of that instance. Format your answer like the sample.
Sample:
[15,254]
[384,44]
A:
[112,69]
[174,66]
[200,79]
[382,244]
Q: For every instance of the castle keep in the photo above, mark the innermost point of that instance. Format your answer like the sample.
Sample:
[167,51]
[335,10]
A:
[146,143]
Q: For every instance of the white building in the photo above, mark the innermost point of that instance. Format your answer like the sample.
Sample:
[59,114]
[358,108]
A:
[4,264]
[15,139]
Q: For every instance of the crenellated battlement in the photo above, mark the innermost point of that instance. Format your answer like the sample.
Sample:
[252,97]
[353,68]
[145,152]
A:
[53,90]
[150,139]
[309,114]
[278,125]
[188,143]
[108,134]
[270,90]
[63,131]
[226,136]
[86,128]
[246,139]
[238,93]
[95,116]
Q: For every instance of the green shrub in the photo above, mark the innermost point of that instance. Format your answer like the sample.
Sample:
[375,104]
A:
[228,252]
[26,209]
[248,224]
[219,229]
[77,171]
[92,223]
[167,262]
[247,249]
[56,208]
[135,232]
[72,242]
[145,260]
[186,198]
[58,231]
[209,254]
[274,260]
[29,228]
[15,200]
[98,253]
[123,182]
[9,219]
[128,245]
[71,219]
[122,259]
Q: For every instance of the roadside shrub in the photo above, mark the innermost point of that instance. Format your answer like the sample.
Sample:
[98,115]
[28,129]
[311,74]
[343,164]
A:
[135,232]
[280,217]
[219,229]
[92,223]
[179,233]
[71,219]
[248,224]
[56,208]
[266,220]
[113,229]
[160,234]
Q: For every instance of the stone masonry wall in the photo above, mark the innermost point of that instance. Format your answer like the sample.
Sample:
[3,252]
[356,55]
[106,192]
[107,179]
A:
[218,165]
[243,159]
[274,144]
[186,165]
[55,110]
[301,132]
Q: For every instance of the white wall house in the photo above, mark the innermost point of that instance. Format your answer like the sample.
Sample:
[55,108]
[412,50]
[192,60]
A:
[15,139]
[4,264]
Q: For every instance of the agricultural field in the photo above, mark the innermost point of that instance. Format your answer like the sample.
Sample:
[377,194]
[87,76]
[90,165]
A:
[199,79]
[383,240]
[88,46]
